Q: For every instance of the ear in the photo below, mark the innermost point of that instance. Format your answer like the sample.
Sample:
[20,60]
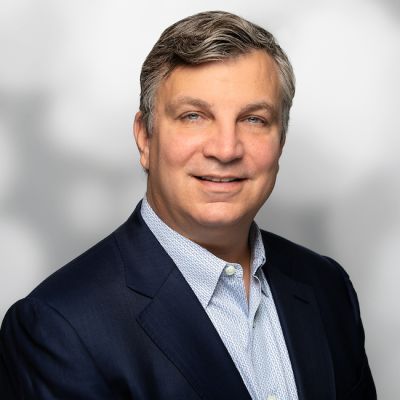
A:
[142,140]
[282,143]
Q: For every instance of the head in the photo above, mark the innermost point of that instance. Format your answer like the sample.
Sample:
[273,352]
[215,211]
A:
[205,37]
[214,109]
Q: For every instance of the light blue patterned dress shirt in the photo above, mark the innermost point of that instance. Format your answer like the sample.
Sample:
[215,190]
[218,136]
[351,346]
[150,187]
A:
[250,330]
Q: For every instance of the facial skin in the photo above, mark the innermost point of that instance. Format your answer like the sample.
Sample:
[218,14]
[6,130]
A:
[219,120]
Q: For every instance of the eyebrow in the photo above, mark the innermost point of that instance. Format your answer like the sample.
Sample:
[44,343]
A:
[261,105]
[187,100]
[196,102]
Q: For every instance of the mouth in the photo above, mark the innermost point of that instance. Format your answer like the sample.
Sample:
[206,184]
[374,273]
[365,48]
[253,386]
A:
[219,179]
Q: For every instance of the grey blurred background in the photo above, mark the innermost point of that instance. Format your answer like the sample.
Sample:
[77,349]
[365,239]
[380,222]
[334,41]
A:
[69,170]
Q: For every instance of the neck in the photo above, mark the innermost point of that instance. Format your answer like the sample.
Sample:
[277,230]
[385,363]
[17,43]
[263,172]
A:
[232,246]
[228,242]
[235,250]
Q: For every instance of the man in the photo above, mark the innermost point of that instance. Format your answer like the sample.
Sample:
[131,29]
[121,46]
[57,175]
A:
[189,299]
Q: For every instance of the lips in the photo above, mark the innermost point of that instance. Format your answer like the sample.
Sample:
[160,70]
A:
[218,179]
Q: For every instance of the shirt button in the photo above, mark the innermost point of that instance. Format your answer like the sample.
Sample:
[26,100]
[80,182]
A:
[230,270]
[272,397]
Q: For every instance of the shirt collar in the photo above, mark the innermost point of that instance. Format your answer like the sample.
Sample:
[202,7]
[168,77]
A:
[200,268]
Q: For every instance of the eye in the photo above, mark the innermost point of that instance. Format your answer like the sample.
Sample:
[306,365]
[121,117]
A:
[192,116]
[252,119]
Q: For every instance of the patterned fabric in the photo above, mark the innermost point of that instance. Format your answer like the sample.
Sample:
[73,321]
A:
[251,330]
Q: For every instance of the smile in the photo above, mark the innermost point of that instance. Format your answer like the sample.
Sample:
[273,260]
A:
[216,179]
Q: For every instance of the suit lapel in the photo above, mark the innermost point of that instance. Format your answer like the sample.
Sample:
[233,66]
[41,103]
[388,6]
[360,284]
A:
[174,318]
[304,335]
[177,323]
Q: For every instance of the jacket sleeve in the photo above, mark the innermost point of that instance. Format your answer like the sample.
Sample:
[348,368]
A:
[43,358]
[365,387]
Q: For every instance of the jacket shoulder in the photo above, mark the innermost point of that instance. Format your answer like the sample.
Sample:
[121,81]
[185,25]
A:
[88,275]
[301,263]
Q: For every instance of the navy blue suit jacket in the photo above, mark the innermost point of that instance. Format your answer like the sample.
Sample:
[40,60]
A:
[121,322]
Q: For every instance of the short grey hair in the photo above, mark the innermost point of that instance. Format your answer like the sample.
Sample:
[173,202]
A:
[205,37]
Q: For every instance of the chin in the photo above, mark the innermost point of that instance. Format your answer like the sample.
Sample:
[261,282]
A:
[219,217]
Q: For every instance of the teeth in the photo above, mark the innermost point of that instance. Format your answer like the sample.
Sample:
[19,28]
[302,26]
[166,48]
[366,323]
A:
[209,178]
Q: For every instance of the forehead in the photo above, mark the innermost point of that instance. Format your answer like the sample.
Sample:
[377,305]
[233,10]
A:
[244,79]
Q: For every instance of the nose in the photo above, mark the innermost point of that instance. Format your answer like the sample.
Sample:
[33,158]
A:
[224,144]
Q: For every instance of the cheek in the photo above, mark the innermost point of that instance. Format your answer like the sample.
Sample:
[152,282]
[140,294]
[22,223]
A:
[265,158]
[177,151]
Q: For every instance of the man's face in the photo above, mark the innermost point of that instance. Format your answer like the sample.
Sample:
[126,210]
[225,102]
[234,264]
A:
[213,155]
